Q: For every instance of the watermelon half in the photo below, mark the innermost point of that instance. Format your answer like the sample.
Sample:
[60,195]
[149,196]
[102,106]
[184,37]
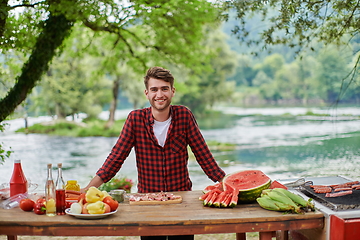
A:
[250,184]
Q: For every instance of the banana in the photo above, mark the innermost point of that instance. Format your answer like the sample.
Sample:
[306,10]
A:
[296,198]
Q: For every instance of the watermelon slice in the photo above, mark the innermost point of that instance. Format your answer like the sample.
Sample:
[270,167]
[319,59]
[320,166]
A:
[212,187]
[213,198]
[204,196]
[234,198]
[208,201]
[249,183]
[226,199]
[276,184]
[219,199]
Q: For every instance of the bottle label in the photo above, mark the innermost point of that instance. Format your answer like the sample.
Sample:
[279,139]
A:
[17,188]
[18,182]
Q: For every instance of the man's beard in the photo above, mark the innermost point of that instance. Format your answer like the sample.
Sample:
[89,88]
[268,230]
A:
[160,107]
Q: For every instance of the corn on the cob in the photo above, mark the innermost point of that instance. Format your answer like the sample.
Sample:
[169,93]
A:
[265,191]
[267,203]
[285,207]
[277,196]
[296,198]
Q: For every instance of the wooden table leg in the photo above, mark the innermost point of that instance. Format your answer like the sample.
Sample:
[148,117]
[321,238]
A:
[240,236]
[282,235]
[266,235]
[12,237]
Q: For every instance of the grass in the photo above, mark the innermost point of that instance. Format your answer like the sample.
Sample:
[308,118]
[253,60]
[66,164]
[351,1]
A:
[94,127]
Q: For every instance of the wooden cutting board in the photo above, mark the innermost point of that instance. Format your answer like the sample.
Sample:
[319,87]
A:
[154,202]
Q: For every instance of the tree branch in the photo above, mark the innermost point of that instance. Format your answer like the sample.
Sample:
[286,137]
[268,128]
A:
[25,5]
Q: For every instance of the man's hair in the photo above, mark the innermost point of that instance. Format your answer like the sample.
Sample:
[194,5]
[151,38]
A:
[159,73]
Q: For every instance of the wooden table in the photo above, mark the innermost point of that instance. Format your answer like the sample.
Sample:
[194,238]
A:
[188,217]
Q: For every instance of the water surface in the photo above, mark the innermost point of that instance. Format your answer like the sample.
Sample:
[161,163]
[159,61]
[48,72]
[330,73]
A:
[279,141]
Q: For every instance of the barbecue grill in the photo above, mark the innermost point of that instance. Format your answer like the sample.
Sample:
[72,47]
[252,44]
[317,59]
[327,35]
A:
[351,201]
[342,213]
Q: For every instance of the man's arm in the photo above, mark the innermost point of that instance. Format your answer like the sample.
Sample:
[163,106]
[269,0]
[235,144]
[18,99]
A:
[95,182]
[202,152]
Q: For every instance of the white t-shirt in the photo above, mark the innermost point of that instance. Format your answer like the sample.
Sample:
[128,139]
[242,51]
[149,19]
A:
[160,130]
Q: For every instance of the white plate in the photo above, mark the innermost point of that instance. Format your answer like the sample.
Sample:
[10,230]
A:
[89,216]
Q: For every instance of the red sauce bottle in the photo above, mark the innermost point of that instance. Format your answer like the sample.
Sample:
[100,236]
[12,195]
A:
[60,192]
[18,182]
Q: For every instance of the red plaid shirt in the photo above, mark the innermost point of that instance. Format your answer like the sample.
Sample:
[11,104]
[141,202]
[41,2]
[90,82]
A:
[161,168]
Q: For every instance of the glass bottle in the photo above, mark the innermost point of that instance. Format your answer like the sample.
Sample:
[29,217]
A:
[72,185]
[50,193]
[18,182]
[60,192]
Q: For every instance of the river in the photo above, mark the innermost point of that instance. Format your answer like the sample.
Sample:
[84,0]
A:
[281,142]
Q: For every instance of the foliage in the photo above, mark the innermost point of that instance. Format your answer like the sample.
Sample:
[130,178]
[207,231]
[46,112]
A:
[3,153]
[316,78]
[66,128]
[214,145]
[208,87]
[117,183]
[44,26]
[298,23]
[301,24]
[69,87]
[55,30]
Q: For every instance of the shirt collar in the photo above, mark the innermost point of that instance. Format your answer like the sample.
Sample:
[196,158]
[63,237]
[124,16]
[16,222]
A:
[150,117]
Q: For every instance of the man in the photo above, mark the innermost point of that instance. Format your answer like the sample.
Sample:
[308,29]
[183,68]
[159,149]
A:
[160,135]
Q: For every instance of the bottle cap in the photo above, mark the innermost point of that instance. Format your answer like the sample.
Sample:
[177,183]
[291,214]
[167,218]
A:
[17,161]
[59,165]
[49,165]
[72,181]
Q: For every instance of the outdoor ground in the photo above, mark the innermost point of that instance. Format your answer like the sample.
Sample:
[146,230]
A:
[230,236]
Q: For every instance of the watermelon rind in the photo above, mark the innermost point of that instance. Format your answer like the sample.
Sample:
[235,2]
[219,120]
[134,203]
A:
[241,181]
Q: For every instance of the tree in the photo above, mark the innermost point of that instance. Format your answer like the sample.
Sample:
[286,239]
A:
[210,86]
[332,68]
[299,24]
[244,72]
[38,29]
[54,32]
[42,28]
[68,88]
[271,65]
